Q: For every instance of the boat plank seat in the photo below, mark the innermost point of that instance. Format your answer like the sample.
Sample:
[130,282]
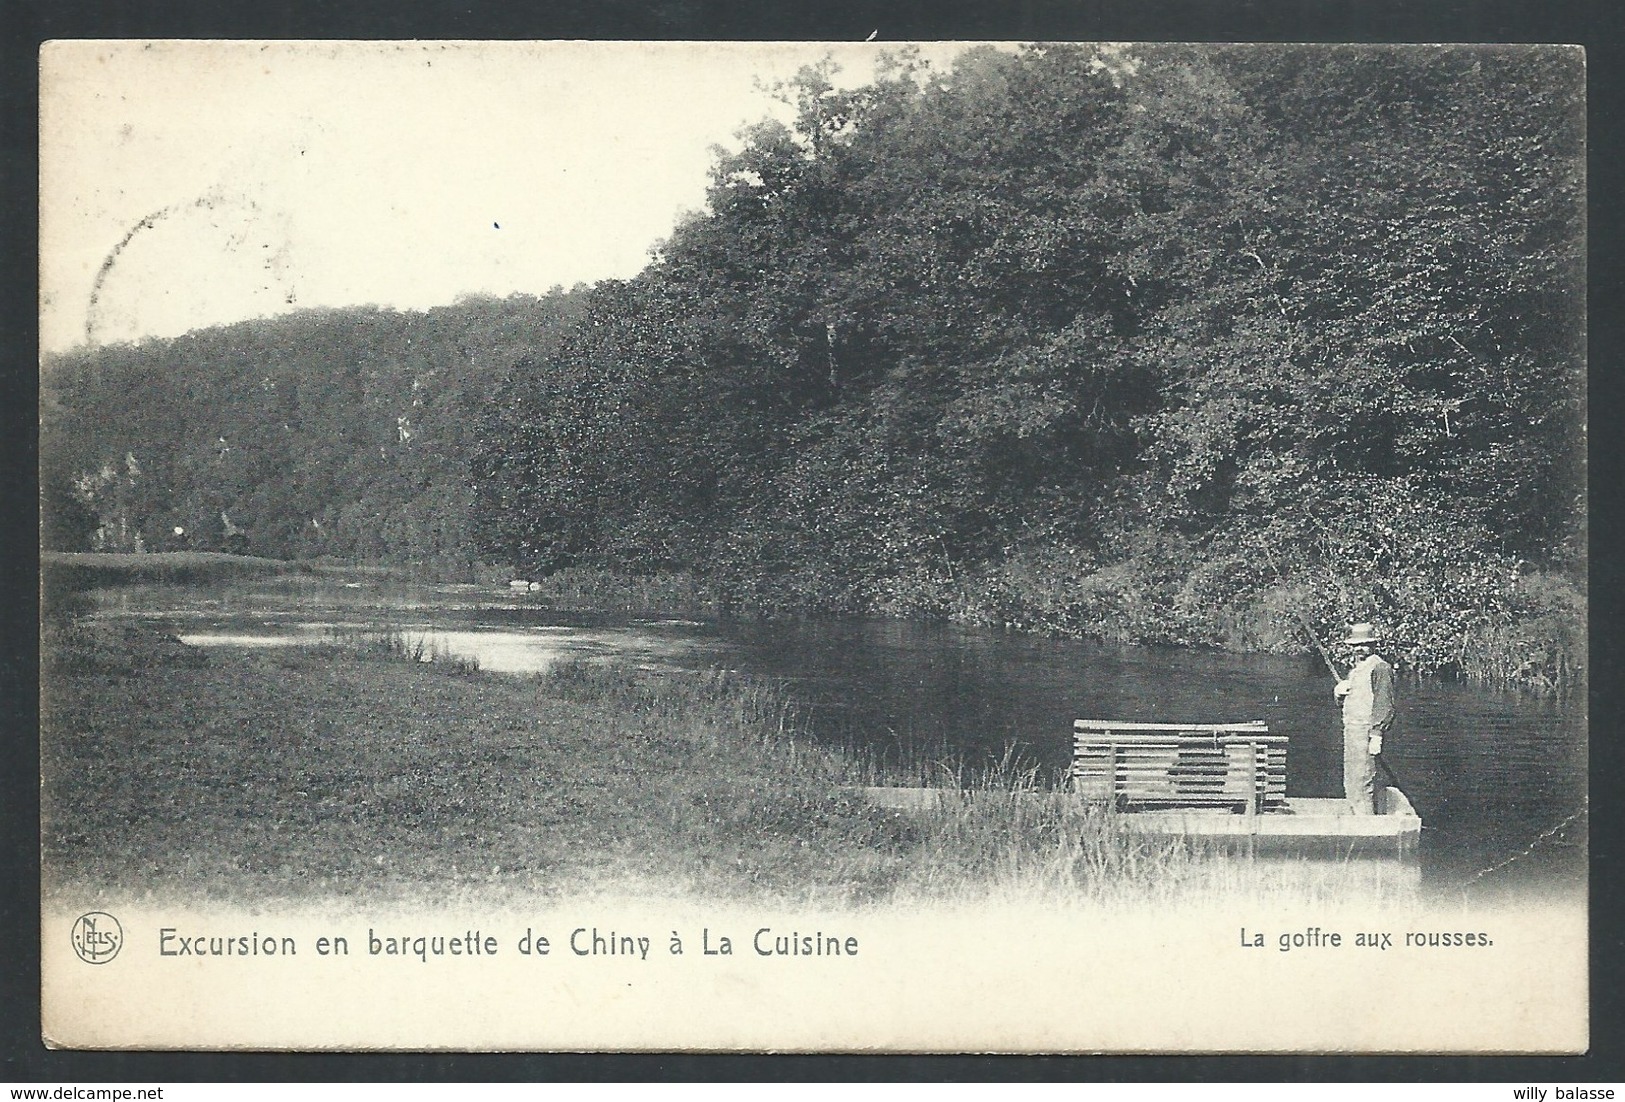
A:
[1163,765]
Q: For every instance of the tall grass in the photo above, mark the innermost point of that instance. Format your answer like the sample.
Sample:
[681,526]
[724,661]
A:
[1541,648]
[718,711]
[1002,829]
[400,644]
[1010,831]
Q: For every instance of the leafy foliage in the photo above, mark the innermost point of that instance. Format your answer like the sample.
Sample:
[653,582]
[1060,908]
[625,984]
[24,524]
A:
[1066,337]
[334,433]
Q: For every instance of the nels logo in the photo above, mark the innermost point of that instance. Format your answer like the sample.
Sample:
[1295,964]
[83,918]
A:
[97,937]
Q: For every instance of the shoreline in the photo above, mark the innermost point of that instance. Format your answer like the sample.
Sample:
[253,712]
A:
[344,770]
[67,576]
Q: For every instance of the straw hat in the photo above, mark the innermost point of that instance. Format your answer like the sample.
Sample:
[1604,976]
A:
[1363,633]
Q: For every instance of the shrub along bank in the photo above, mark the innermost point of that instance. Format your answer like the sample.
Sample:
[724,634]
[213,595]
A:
[1499,623]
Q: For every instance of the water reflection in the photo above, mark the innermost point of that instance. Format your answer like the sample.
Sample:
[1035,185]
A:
[503,651]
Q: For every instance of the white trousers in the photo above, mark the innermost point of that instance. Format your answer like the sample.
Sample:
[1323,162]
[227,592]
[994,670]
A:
[1360,781]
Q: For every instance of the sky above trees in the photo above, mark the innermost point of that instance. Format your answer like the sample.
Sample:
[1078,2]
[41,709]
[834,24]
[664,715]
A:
[187,184]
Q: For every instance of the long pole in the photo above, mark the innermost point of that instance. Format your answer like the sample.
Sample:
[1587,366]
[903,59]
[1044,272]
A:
[1325,655]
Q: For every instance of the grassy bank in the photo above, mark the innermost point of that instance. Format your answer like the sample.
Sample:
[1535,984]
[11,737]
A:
[76,571]
[88,570]
[65,577]
[344,770]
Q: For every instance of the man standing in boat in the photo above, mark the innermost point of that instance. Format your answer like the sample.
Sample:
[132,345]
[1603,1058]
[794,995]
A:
[1367,694]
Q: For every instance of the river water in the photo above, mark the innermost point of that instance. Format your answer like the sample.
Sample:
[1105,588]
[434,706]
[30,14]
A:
[1499,778]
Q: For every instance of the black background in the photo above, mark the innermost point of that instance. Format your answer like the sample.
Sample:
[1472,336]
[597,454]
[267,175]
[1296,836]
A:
[24,24]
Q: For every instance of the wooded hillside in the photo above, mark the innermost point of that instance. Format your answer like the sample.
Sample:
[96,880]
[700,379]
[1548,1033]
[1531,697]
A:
[1153,343]
[339,433]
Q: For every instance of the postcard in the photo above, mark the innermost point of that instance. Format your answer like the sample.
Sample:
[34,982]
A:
[813,547]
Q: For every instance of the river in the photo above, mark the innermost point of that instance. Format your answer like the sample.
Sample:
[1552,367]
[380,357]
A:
[1499,778]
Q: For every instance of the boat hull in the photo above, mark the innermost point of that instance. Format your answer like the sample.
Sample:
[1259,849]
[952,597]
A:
[1304,825]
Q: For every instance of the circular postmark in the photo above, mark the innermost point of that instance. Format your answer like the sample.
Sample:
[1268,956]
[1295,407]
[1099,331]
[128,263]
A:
[97,937]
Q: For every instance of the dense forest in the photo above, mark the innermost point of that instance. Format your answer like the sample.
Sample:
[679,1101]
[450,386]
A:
[334,433]
[1149,343]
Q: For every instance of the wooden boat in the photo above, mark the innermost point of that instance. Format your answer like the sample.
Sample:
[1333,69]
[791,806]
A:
[1221,786]
[1298,827]
[1226,784]
[1311,827]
